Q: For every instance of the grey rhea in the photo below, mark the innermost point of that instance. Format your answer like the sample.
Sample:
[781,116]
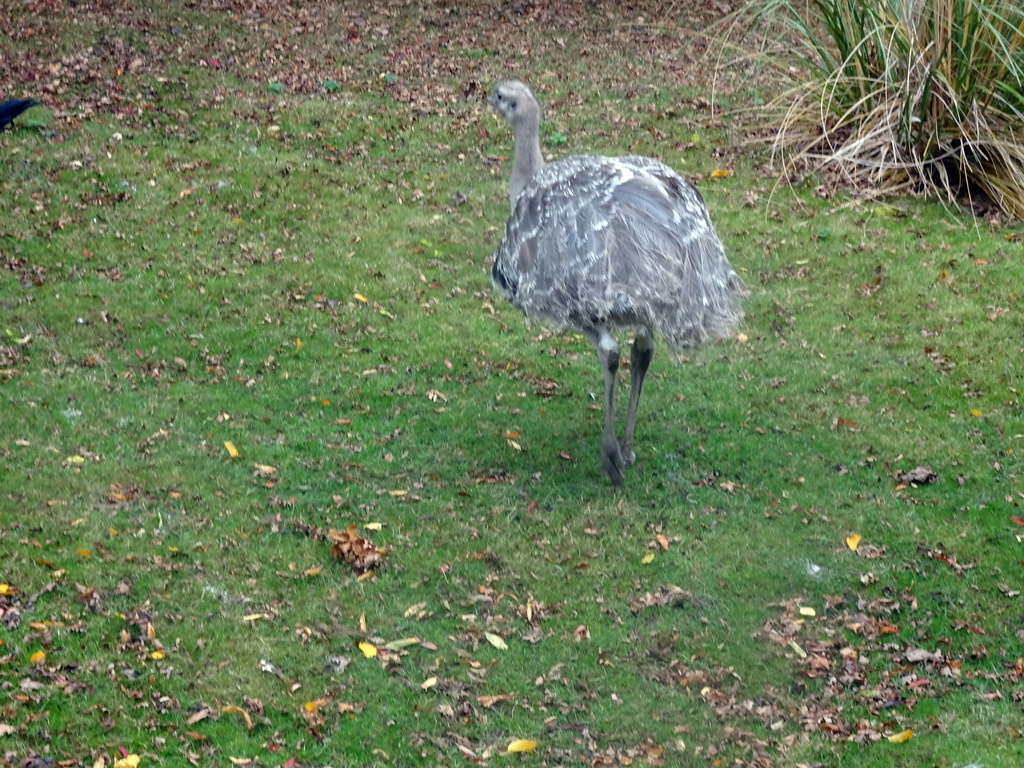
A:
[606,243]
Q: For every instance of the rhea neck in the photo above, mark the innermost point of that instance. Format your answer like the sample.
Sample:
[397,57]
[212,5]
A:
[528,158]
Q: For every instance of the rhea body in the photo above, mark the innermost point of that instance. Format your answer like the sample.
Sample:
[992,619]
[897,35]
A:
[602,244]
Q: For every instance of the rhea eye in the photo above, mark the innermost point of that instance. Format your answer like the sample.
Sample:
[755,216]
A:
[512,104]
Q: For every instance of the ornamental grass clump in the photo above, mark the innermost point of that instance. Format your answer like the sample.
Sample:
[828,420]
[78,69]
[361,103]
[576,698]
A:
[919,96]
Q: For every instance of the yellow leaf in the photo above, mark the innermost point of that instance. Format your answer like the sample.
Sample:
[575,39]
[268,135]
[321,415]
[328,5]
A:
[975,412]
[899,738]
[852,541]
[313,571]
[157,655]
[313,706]
[496,641]
[231,709]
[84,552]
[369,649]
[430,682]
[648,558]
[38,657]
[240,760]
[130,761]
[112,531]
[298,343]
[397,645]
[721,173]
[360,297]
[232,451]
[522,745]
[7,589]
[255,617]
[806,611]
[373,526]
[76,459]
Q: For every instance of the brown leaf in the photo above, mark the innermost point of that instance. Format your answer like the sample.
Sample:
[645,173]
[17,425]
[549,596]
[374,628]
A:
[355,551]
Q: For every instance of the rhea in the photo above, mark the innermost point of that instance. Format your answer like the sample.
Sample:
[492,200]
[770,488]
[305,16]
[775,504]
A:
[604,244]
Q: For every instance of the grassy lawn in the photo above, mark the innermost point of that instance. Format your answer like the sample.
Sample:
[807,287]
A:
[246,303]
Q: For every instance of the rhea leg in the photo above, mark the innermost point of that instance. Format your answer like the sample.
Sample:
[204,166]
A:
[639,361]
[608,353]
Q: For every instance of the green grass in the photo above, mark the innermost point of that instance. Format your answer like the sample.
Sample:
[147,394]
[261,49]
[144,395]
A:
[304,274]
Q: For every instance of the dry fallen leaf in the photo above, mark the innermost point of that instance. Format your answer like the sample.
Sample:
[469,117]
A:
[357,552]
[496,641]
[413,610]
[489,701]
[231,708]
[202,714]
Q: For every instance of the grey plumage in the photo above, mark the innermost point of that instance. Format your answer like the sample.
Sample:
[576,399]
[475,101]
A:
[601,243]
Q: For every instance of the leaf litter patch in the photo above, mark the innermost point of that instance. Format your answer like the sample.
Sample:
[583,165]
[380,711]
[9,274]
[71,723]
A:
[861,667]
